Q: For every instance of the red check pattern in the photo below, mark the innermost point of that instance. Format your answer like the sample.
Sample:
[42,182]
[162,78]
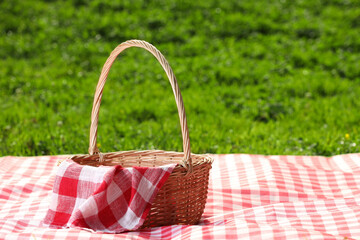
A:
[250,197]
[104,199]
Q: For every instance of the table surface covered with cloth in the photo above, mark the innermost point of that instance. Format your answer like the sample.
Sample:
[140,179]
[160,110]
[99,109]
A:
[250,197]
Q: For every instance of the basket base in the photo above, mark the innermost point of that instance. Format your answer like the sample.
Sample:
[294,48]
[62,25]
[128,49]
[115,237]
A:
[182,198]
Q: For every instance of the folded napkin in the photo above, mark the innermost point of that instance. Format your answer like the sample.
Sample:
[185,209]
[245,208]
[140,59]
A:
[105,199]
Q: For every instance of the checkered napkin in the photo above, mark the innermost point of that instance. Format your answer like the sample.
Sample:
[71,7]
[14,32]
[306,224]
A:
[104,199]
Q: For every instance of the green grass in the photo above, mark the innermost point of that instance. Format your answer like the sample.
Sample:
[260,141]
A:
[278,77]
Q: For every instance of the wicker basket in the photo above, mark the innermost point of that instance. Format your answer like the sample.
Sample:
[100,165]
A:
[182,198]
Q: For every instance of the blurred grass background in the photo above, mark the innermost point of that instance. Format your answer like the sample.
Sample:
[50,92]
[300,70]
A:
[262,77]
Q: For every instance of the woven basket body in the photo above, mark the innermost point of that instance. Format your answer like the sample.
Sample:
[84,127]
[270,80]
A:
[182,198]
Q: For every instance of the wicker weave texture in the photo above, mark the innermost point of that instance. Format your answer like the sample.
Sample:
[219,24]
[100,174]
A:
[182,198]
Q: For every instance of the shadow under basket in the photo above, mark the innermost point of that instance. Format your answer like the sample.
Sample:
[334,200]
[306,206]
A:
[182,198]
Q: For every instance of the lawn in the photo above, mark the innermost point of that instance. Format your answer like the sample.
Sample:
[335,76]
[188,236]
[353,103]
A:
[260,77]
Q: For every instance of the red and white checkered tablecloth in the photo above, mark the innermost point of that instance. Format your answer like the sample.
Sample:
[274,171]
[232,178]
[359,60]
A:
[250,196]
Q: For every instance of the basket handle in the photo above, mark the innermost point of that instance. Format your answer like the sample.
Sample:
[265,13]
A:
[178,98]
